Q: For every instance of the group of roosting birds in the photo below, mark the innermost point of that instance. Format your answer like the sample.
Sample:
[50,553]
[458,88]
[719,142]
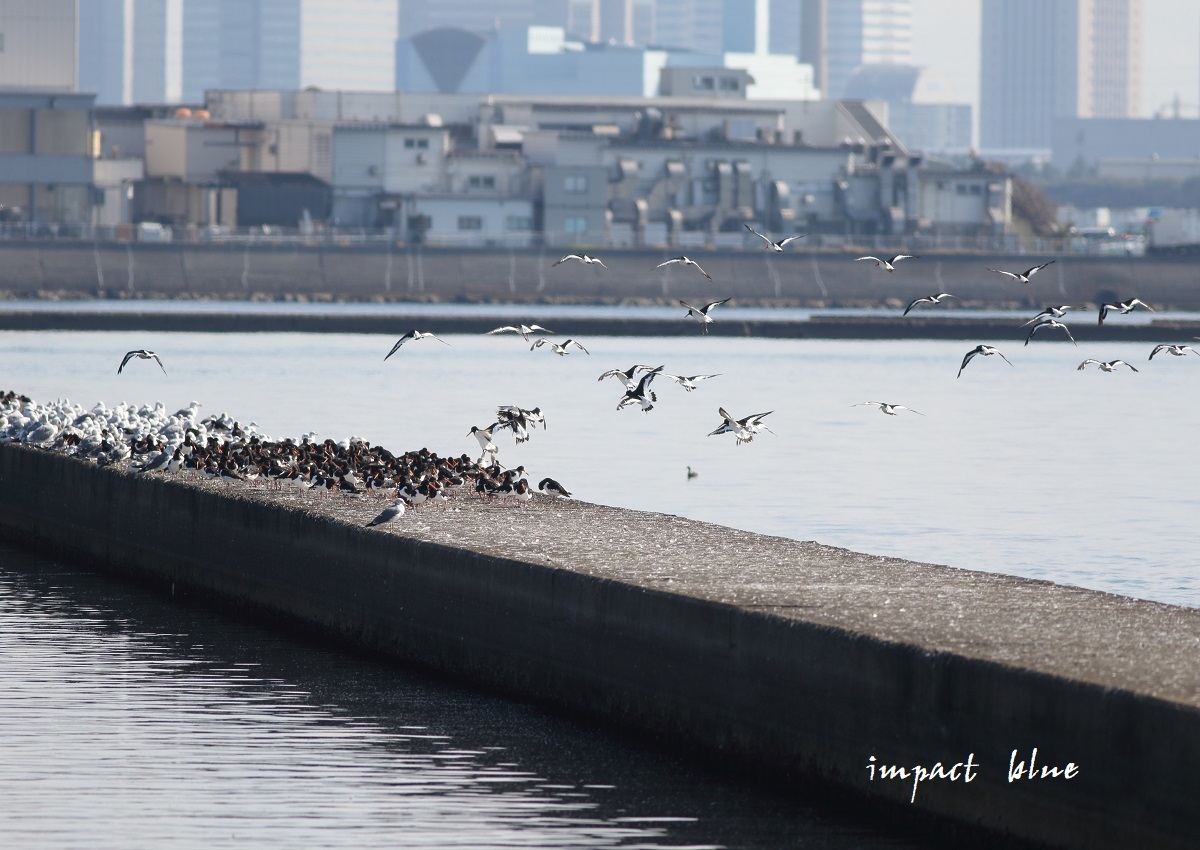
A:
[419,477]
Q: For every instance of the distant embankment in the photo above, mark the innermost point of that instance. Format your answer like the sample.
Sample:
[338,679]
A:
[358,272]
[911,687]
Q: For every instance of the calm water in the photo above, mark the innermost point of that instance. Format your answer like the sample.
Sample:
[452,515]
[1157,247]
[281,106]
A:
[1037,469]
[129,721]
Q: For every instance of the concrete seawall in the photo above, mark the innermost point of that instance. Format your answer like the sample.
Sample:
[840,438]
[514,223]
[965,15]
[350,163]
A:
[802,278]
[804,660]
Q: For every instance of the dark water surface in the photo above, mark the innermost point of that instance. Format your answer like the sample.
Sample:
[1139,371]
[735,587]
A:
[133,720]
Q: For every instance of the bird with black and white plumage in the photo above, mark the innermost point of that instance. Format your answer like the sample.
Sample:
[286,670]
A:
[889,264]
[413,335]
[559,348]
[1173,348]
[928,299]
[627,374]
[889,409]
[552,488]
[1023,277]
[522,329]
[582,258]
[687,261]
[688,382]
[985,351]
[141,354]
[1123,306]
[393,511]
[1053,324]
[1105,366]
[700,314]
[772,245]
[1051,312]
[519,420]
[484,436]
[640,394]
[743,429]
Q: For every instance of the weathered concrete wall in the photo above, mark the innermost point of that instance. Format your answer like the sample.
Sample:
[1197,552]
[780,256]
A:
[759,663]
[358,272]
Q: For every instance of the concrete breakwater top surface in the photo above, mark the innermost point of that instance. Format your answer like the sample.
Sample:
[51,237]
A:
[801,659]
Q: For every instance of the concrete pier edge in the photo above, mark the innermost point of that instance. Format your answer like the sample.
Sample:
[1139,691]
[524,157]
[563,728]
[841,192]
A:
[756,684]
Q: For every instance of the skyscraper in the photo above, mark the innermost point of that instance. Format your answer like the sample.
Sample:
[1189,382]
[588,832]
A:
[865,32]
[1046,59]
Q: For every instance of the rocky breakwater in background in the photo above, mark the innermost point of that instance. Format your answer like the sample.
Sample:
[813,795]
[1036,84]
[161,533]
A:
[917,687]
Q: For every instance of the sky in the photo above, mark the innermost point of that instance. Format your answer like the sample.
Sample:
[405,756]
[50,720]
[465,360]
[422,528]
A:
[946,36]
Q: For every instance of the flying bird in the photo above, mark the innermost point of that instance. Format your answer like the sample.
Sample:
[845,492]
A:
[559,348]
[743,429]
[1177,350]
[772,245]
[523,330]
[686,261]
[986,351]
[928,299]
[1050,313]
[1123,306]
[890,265]
[641,394]
[413,335]
[141,354]
[688,383]
[889,409]
[1022,277]
[1049,323]
[701,313]
[583,258]
[627,374]
[1110,366]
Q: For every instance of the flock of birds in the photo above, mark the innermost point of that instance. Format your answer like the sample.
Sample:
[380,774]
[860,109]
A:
[218,447]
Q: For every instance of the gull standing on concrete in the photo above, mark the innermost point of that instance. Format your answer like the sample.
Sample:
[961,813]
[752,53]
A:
[559,348]
[1049,323]
[1022,277]
[686,261]
[523,330]
[414,335]
[391,512]
[890,265]
[1171,348]
[772,245]
[1123,306]
[1050,313]
[1110,366]
[701,313]
[986,351]
[889,409]
[141,354]
[583,258]
[928,299]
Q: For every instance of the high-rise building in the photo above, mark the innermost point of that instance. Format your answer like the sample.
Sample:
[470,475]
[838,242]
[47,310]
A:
[690,24]
[39,44]
[132,50]
[865,32]
[1047,59]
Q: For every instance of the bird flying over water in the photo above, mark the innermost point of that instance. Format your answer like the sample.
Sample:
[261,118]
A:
[928,299]
[1022,277]
[1049,323]
[641,394]
[1170,348]
[889,409]
[628,374]
[986,351]
[523,330]
[141,354]
[688,382]
[583,258]
[772,245]
[413,335]
[559,348]
[1050,313]
[701,313]
[743,429]
[890,265]
[1123,306]
[1110,366]
[686,261]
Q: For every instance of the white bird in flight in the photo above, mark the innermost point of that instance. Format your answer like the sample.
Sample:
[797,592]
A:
[1022,277]
[688,383]
[1170,348]
[687,262]
[583,258]
[701,313]
[890,265]
[986,351]
[1050,313]
[1049,323]
[889,409]
[928,299]
[523,330]
[1123,306]
[141,354]
[743,429]
[772,245]
[413,335]
[1110,366]
[559,348]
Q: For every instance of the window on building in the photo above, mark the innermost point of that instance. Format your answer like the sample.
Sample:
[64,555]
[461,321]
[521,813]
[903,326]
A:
[729,84]
[574,225]
[703,83]
[423,144]
[481,181]
[410,143]
[575,183]
[519,222]
[470,222]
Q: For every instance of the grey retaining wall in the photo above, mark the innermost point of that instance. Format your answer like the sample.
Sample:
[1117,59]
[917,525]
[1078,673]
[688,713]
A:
[800,658]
